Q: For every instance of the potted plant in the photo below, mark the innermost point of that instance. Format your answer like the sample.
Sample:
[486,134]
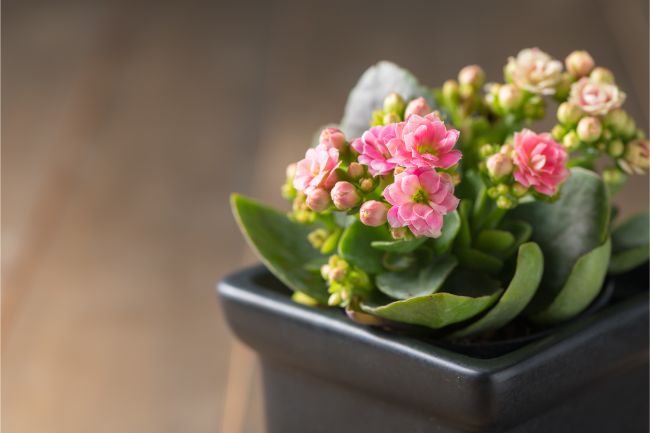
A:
[468,255]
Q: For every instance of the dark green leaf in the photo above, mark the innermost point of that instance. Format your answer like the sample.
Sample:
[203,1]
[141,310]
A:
[567,229]
[521,231]
[399,246]
[464,233]
[627,260]
[434,311]
[355,246]
[479,261]
[371,89]
[281,244]
[450,228]
[417,281]
[582,286]
[630,244]
[530,266]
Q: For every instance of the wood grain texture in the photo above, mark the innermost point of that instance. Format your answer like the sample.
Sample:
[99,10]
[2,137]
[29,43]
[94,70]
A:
[126,125]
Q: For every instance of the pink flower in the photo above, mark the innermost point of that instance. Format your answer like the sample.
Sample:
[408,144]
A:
[317,169]
[332,137]
[426,142]
[373,150]
[539,161]
[420,198]
[596,98]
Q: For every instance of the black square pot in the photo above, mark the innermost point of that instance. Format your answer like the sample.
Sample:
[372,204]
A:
[324,373]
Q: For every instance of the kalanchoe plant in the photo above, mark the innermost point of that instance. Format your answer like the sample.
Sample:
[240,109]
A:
[460,219]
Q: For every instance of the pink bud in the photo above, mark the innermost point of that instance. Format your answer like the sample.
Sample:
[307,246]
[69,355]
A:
[579,63]
[471,75]
[318,200]
[499,165]
[373,213]
[332,138]
[366,185]
[345,195]
[355,170]
[417,106]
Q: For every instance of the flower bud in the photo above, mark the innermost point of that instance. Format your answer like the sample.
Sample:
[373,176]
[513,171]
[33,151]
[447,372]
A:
[317,237]
[616,119]
[579,63]
[589,129]
[558,132]
[367,185]
[534,108]
[507,149]
[602,75]
[568,113]
[390,118]
[394,103]
[637,156]
[499,165]
[355,170]
[398,232]
[615,148]
[345,195]
[629,128]
[504,202]
[450,91]
[486,150]
[519,190]
[614,178]
[332,138]
[471,75]
[503,189]
[291,171]
[510,97]
[571,141]
[417,106]
[373,213]
[318,200]
[563,87]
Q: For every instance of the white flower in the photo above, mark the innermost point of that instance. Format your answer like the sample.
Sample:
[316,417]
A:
[596,98]
[535,71]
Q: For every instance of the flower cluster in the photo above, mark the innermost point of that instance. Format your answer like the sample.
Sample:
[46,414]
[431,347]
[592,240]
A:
[389,174]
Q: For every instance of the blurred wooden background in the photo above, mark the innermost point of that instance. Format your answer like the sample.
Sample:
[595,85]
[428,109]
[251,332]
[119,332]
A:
[126,124]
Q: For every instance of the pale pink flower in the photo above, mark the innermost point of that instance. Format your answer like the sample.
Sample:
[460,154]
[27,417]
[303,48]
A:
[535,71]
[373,150]
[317,169]
[596,98]
[539,161]
[420,198]
[426,142]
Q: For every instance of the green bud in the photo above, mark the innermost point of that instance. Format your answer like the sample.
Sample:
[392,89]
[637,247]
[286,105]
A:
[334,299]
[629,128]
[616,119]
[487,150]
[534,108]
[558,132]
[607,134]
[614,178]
[466,91]
[317,237]
[510,97]
[568,113]
[504,202]
[571,141]
[394,103]
[450,91]
[602,75]
[519,190]
[616,148]
[503,189]
[563,87]
[472,75]
[492,192]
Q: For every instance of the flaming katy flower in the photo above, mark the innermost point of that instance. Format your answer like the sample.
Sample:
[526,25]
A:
[373,148]
[426,142]
[539,161]
[317,169]
[420,198]
[596,98]
[535,71]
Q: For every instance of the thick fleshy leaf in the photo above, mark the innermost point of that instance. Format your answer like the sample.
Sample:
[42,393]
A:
[369,93]
[434,311]
[522,287]
[494,241]
[630,244]
[418,281]
[450,229]
[281,244]
[476,260]
[355,246]
[582,286]
[521,231]
[567,229]
[399,246]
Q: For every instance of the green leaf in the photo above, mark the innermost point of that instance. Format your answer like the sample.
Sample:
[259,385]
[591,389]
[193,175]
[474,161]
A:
[417,281]
[630,244]
[450,228]
[522,287]
[521,231]
[399,246]
[582,286]
[281,244]
[434,311]
[355,246]
[567,229]
[494,241]
[464,233]
[476,260]
[371,89]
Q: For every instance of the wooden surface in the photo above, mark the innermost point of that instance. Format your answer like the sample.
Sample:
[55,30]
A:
[125,127]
